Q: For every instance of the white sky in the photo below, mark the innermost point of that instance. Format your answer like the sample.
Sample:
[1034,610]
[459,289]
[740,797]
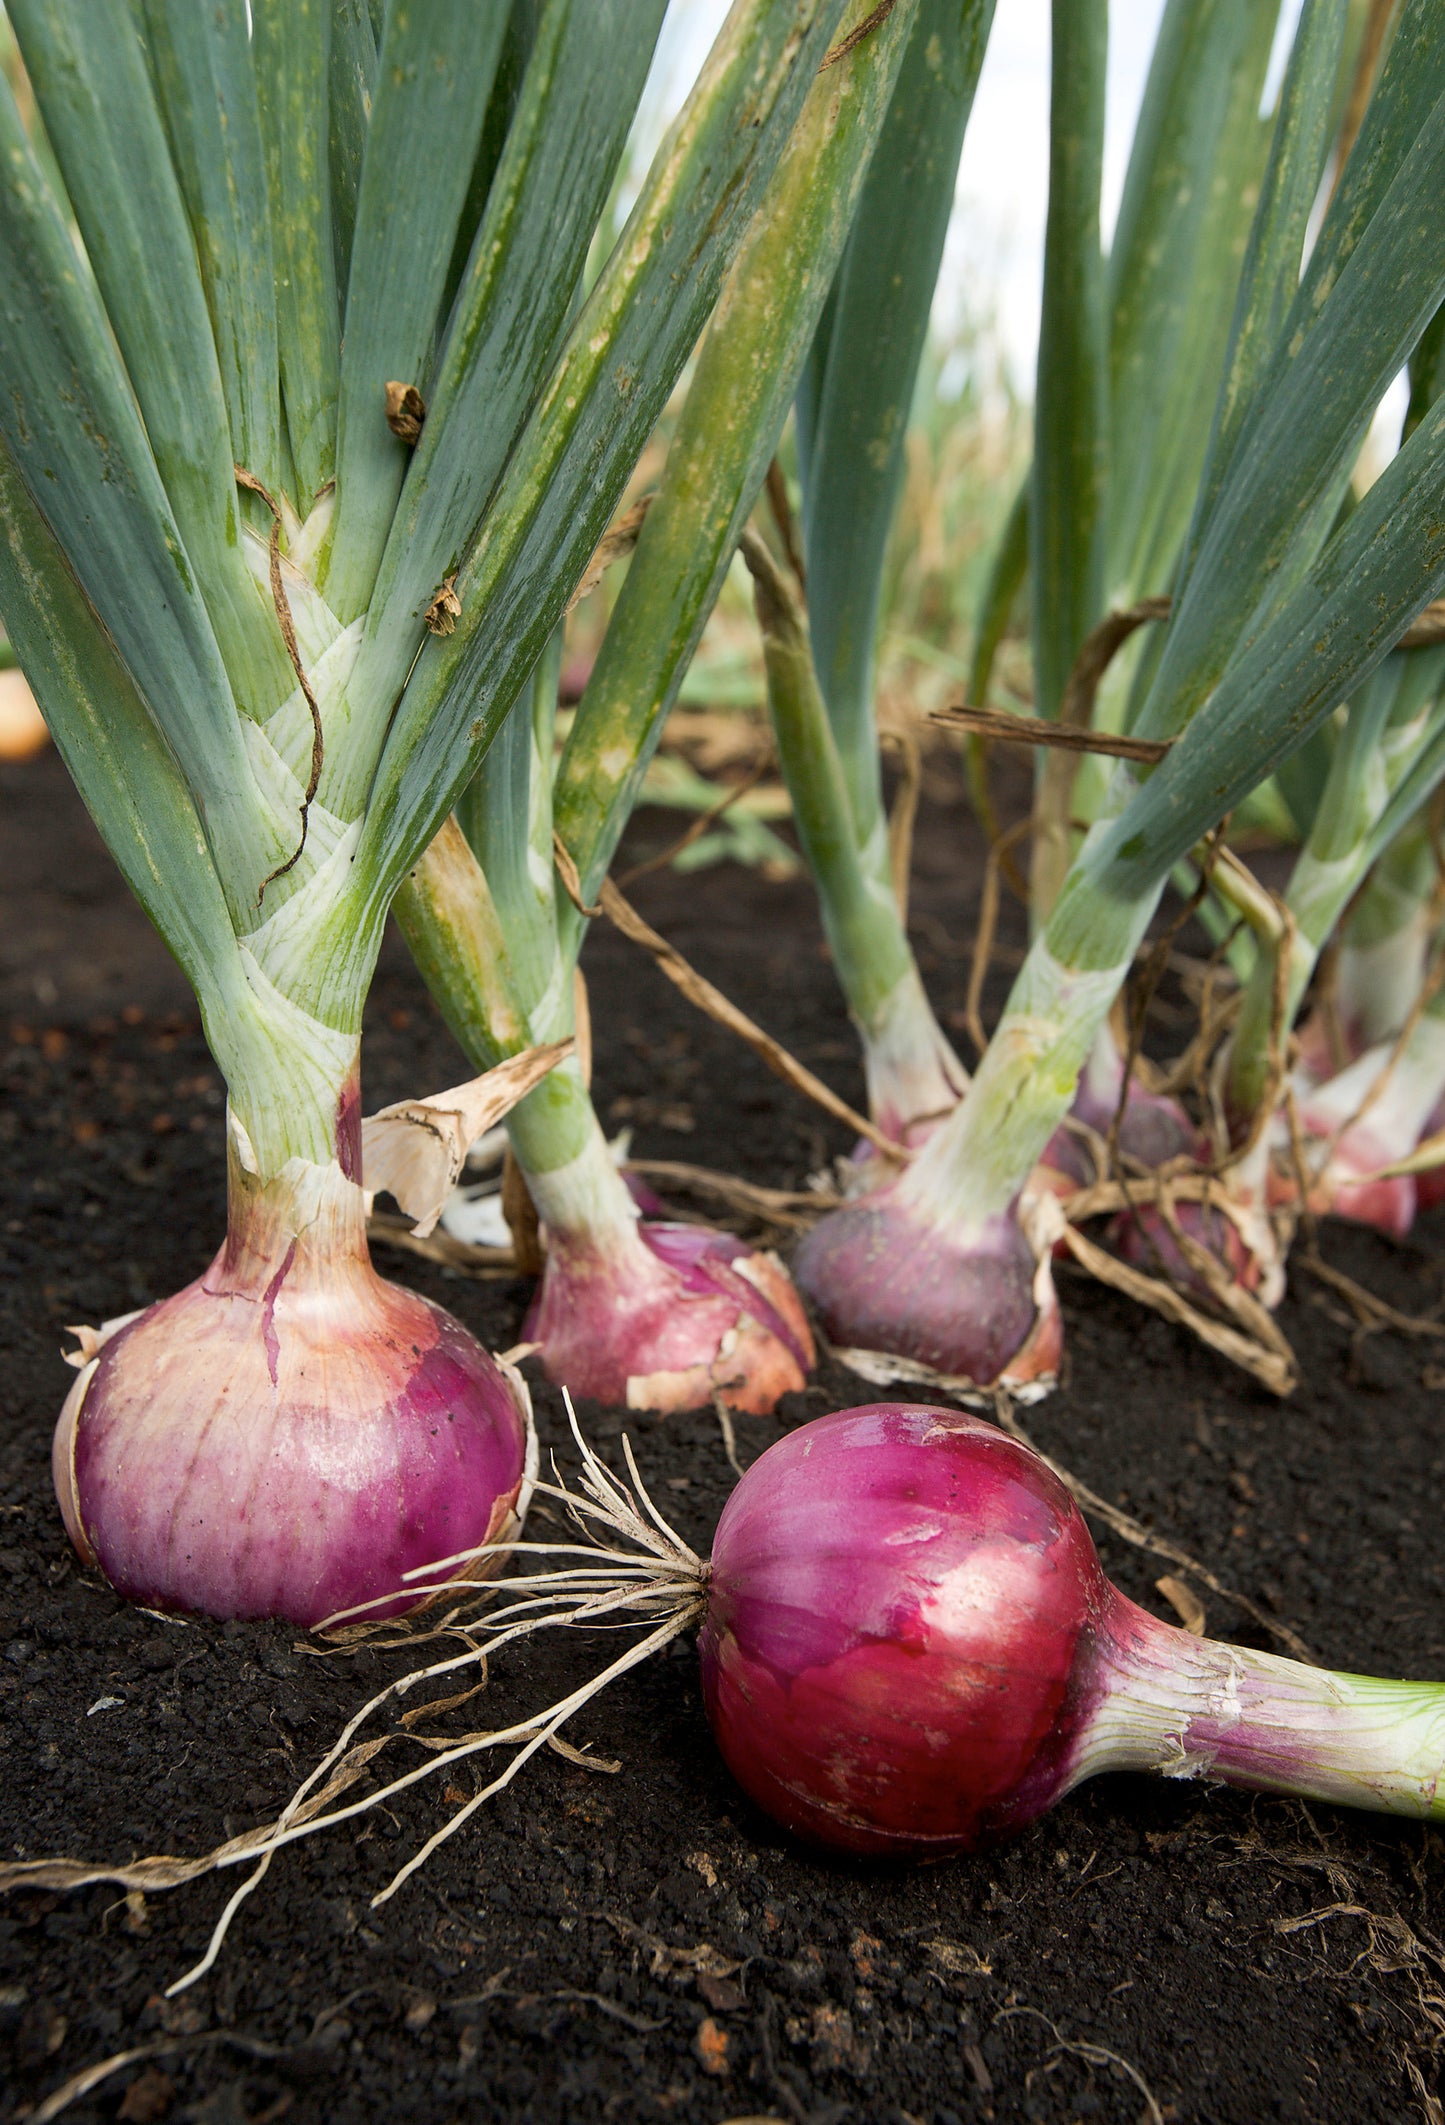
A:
[993,263]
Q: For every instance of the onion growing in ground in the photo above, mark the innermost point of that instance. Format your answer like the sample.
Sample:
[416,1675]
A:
[291,1434]
[273,634]
[661,1315]
[655,1314]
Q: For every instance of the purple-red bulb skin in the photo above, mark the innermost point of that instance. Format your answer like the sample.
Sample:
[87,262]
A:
[287,1453]
[905,1632]
[881,1276]
[667,1316]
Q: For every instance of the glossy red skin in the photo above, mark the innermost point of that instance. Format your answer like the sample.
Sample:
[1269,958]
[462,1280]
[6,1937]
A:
[906,1632]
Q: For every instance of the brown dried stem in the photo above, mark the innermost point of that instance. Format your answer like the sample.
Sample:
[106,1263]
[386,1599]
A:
[780,503]
[1035,730]
[855,37]
[700,825]
[711,1001]
[904,814]
[988,906]
[621,535]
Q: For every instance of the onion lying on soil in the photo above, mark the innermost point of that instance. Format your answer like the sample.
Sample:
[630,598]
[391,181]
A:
[908,1647]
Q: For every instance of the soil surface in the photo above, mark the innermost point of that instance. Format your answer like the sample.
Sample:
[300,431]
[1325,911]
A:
[645,1944]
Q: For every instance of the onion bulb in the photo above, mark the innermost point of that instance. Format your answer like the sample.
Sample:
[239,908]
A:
[664,1316]
[290,1435]
[909,1646]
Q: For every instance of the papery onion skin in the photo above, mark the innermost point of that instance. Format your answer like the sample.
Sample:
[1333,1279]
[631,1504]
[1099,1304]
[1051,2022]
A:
[1351,1185]
[663,1316]
[910,1648]
[883,1276]
[290,1434]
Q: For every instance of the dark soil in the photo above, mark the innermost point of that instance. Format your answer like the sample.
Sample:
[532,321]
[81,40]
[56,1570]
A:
[1244,1958]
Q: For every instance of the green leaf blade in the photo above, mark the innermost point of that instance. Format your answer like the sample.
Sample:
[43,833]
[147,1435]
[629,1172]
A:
[291,40]
[566,473]
[1382,567]
[434,77]
[747,370]
[75,435]
[857,407]
[582,83]
[95,90]
[121,764]
[1066,507]
[202,59]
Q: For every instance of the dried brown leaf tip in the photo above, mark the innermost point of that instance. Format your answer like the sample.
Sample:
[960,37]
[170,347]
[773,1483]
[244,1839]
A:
[445,609]
[405,412]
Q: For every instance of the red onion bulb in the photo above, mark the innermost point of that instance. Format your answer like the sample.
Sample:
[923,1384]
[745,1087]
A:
[290,1435]
[910,1647]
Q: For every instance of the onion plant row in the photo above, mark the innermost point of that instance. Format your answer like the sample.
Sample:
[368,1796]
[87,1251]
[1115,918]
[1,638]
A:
[325,374]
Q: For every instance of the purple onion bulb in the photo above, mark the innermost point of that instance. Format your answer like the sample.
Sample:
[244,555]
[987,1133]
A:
[290,1435]
[885,1276]
[664,1316]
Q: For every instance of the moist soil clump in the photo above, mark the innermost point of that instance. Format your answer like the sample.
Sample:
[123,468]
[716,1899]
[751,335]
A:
[640,1943]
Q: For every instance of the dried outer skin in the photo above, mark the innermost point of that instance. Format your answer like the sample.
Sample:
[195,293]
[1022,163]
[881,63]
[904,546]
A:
[667,1317]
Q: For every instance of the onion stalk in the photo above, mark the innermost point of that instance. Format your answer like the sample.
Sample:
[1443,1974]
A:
[1280,611]
[273,639]
[1146,339]
[630,1309]
[851,416]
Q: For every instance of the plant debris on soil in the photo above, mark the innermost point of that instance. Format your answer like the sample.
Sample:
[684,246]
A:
[640,1944]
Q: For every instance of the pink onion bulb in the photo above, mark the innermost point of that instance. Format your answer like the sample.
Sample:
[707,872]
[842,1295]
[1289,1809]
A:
[290,1435]
[910,1647]
[664,1316]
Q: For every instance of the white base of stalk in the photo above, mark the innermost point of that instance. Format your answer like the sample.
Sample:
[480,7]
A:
[1376,984]
[974,1166]
[587,1197]
[914,1078]
[1194,1708]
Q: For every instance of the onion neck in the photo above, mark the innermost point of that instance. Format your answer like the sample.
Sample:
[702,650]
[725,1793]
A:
[304,1226]
[294,1196]
[573,1179]
[973,1167]
[913,1074]
[1194,1708]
